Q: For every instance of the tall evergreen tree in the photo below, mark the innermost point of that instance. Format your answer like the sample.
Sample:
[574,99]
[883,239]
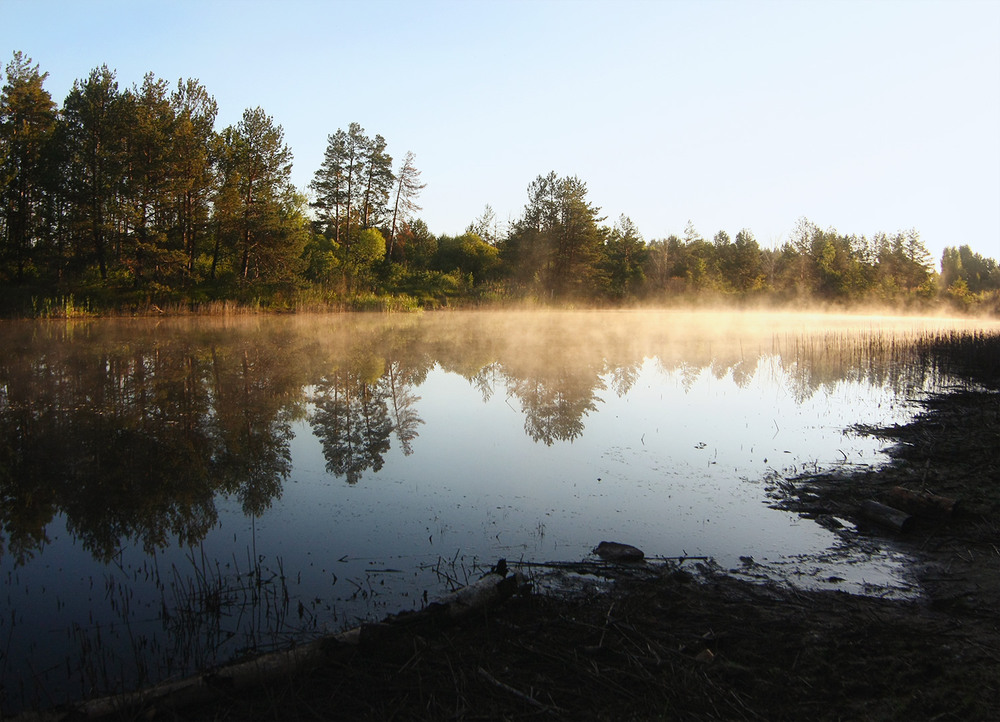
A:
[330,184]
[192,178]
[148,133]
[376,168]
[353,167]
[27,127]
[93,116]
[259,213]
[353,186]
[625,254]
[337,184]
[556,244]
[748,273]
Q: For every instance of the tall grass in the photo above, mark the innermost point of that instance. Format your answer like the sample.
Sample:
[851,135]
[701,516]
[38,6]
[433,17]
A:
[975,354]
[208,615]
[303,301]
[60,307]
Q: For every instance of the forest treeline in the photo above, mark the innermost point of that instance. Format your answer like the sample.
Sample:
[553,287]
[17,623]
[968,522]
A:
[131,200]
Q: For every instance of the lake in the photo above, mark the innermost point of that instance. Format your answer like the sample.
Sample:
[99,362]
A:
[179,492]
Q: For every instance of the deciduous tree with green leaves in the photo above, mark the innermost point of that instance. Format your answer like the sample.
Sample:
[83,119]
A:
[468,254]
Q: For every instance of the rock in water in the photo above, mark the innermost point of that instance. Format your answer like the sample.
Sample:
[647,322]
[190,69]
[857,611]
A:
[617,552]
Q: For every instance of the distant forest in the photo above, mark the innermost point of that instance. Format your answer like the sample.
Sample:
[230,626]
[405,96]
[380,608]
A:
[130,201]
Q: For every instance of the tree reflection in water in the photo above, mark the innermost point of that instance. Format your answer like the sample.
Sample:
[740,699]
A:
[352,423]
[133,429]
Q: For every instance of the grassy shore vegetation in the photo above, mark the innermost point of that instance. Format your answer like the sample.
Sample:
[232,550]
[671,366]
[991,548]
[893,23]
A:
[129,200]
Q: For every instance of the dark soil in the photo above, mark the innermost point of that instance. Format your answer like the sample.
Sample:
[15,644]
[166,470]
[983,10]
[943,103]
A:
[691,642]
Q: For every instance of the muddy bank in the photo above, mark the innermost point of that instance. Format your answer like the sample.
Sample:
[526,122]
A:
[952,452]
[672,647]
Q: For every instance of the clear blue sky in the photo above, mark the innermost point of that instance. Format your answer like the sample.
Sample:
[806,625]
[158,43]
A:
[863,116]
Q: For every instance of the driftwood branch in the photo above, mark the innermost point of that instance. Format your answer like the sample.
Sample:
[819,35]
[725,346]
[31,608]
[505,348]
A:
[592,565]
[886,515]
[921,503]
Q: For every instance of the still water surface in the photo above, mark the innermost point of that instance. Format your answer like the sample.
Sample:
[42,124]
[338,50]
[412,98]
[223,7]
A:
[179,492]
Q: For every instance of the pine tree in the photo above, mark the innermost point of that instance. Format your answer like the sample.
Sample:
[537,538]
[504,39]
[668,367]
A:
[27,127]
[93,117]
[148,124]
[259,213]
[625,254]
[557,242]
[376,168]
[192,178]
[330,184]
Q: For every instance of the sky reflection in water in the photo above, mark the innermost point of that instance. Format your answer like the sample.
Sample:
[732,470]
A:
[318,470]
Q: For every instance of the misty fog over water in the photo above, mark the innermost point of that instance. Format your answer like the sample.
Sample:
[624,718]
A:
[177,492]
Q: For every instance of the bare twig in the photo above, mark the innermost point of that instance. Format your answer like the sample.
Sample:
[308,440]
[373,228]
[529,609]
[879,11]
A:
[516,692]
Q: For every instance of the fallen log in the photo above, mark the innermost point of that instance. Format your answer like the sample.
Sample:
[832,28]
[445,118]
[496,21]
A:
[478,595]
[920,503]
[603,565]
[886,515]
[204,688]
